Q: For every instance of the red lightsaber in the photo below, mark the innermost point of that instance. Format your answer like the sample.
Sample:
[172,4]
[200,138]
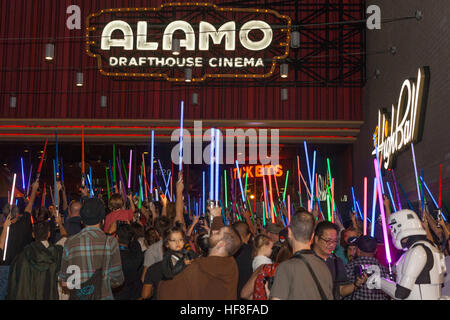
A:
[42,160]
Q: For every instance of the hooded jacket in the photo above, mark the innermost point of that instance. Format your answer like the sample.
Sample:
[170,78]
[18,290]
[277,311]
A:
[207,278]
[33,273]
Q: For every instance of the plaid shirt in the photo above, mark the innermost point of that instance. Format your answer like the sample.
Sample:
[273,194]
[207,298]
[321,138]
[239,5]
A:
[364,293]
[87,251]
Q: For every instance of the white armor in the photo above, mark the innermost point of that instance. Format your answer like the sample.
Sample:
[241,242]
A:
[411,268]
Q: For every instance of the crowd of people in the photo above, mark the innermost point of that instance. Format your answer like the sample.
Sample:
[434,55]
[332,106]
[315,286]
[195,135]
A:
[88,250]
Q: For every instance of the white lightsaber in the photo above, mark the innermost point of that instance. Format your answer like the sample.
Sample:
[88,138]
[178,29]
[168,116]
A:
[10,209]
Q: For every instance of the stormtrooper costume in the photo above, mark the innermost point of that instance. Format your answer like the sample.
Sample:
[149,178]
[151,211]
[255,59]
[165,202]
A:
[420,270]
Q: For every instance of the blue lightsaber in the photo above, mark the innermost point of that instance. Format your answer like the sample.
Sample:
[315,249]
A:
[390,195]
[23,174]
[359,210]
[189,205]
[379,167]
[151,163]
[307,162]
[162,173]
[240,182]
[203,198]
[374,205]
[56,189]
[432,198]
[57,162]
[29,180]
[217,152]
[354,200]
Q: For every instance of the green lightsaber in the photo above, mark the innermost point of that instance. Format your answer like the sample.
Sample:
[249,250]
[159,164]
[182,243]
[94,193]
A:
[226,197]
[114,164]
[285,185]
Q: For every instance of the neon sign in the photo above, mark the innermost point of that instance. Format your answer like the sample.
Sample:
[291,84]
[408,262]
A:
[406,119]
[259,171]
[215,42]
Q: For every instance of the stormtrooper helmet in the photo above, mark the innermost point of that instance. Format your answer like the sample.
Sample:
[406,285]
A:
[403,224]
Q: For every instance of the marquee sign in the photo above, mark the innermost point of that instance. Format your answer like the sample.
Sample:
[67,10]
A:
[406,119]
[214,42]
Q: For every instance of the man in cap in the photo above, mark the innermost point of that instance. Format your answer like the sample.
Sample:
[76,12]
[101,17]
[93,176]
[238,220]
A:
[91,249]
[366,247]
[273,232]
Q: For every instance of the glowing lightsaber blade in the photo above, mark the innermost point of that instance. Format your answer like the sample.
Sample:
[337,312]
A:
[382,213]
[390,196]
[396,190]
[299,184]
[266,197]
[29,180]
[285,185]
[381,176]
[264,214]
[113,180]
[42,160]
[289,208]
[180,165]
[10,209]
[122,184]
[307,162]
[354,200]
[374,205]
[432,198]
[217,158]
[328,207]
[332,200]
[225,189]
[211,172]
[145,176]
[56,189]
[151,159]
[313,180]
[129,169]
[57,159]
[240,181]
[204,192]
[365,207]
[23,174]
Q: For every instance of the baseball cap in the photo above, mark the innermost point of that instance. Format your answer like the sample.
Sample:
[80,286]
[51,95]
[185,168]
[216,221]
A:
[92,212]
[352,241]
[367,244]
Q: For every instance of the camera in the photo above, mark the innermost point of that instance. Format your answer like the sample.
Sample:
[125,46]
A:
[363,269]
[269,281]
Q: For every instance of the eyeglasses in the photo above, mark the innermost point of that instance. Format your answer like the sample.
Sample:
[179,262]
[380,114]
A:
[329,241]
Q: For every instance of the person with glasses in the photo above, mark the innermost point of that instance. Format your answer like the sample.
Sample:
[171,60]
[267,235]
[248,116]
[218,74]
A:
[325,241]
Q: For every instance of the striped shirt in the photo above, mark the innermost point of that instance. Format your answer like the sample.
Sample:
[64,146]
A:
[87,250]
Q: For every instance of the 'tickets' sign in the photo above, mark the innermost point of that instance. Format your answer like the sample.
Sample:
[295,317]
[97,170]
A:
[214,42]
[406,119]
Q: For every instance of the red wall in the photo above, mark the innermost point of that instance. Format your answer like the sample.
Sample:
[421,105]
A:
[47,90]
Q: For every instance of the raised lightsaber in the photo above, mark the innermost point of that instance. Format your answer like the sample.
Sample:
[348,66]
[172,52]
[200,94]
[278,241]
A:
[129,169]
[180,165]
[374,206]
[42,161]
[23,174]
[10,210]
[383,216]
[432,198]
[217,157]
[151,159]
[415,172]
[211,166]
